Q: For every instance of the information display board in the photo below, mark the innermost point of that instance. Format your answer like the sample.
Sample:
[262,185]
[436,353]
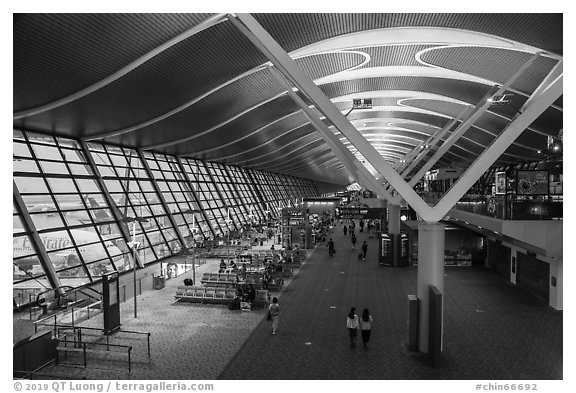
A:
[356,213]
[385,256]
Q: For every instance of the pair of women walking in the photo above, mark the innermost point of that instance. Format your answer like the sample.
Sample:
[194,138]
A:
[364,324]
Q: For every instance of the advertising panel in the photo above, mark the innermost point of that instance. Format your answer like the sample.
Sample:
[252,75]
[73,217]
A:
[500,183]
[532,182]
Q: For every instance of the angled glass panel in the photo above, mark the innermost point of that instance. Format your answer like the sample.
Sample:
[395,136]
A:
[44,152]
[31,185]
[99,268]
[20,150]
[26,267]
[61,185]
[46,220]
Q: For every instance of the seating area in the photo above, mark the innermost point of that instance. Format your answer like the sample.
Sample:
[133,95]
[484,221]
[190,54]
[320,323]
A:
[228,251]
[265,270]
[205,294]
[224,280]
[215,295]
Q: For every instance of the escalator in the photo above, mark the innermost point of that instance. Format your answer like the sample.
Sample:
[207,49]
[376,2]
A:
[66,305]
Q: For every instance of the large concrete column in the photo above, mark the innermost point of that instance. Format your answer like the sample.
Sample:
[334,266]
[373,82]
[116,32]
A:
[430,272]
[394,231]
[393,219]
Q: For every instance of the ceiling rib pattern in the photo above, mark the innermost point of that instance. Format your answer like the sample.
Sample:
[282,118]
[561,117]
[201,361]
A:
[463,91]
[394,55]
[48,47]
[294,31]
[329,63]
[216,109]
[211,97]
[492,63]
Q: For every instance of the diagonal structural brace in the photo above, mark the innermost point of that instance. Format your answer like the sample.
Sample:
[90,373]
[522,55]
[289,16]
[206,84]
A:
[411,162]
[545,95]
[270,48]
[543,99]
[356,169]
[476,114]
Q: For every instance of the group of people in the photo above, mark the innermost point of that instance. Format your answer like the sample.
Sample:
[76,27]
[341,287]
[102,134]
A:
[246,292]
[364,324]
[353,323]
[231,266]
[364,247]
[272,274]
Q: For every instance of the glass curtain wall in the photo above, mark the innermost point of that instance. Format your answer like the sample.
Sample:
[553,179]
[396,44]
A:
[131,189]
[79,230]
[179,197]
[66,207]
[246,192]
[210,202]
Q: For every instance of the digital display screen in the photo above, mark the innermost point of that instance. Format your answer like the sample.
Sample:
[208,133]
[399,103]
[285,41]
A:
[113,297]
[386,247]
[500,183]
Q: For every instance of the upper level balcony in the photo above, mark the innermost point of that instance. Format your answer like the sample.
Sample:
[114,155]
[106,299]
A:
[510,207]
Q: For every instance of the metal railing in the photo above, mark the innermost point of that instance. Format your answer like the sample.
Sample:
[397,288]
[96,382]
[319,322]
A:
[79,334]
[511,208]
[85,347]
[504,207]
[75,312]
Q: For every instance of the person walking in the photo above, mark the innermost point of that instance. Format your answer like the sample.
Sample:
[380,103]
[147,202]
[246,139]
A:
[366,327]
[352,325]
[364,250]
[274,310]
[345,230]
[353,241]
[361,225]
[331,250]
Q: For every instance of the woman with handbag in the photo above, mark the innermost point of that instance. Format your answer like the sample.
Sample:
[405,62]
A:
[352,325]
[366,327]
[274,314]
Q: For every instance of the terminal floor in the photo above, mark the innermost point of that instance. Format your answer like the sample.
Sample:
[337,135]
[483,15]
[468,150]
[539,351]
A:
[492,329]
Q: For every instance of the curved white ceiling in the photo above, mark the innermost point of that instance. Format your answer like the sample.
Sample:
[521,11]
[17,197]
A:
[412,36]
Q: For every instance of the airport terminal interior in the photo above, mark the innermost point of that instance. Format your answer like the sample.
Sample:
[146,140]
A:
[288,196]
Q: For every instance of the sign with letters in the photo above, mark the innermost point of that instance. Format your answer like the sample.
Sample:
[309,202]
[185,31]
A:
[350,213]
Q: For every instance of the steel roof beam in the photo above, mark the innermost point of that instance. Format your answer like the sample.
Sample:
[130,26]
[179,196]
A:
[475,115]
[270,48]
[547,93]
[416,155]
[289,69]
[354,167]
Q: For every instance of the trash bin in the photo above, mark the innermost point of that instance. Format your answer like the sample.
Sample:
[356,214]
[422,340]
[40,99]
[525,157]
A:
[159,282]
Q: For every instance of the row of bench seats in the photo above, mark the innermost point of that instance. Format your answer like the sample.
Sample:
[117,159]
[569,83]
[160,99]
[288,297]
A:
[213,295]
[219,279]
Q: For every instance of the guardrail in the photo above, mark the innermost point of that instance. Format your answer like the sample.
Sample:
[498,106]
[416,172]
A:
[85,348]
[78,334]
[70,310]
